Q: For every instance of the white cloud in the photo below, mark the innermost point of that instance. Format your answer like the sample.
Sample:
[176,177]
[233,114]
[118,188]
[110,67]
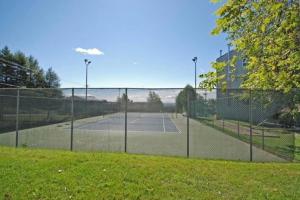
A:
[93,51]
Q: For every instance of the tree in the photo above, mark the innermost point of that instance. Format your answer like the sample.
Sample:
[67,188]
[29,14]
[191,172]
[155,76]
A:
[33,66]
[181,99]
[122,100]
[22,76]
[52,78]
[8,72]
[153,98]
[39,79]
[266,34]
[6,53]
[24,71]
[154,102]
[210,80]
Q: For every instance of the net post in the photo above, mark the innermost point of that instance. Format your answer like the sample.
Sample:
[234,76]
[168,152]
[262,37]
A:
[126,100]
[188,126]
[72,119]
[17,117]
[250,124]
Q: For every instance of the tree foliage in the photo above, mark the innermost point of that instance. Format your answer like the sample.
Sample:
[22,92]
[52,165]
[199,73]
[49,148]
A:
[267,34]
[153,98]
[182,98]
[52,78]
[154,101]
[30,74]
[123,98]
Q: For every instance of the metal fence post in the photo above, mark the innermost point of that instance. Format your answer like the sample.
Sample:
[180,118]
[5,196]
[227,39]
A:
[17,117]
[223,125]
[263,138]
[126,100]
[238,127]
[188,126]
[193,105]
[250,123]
[72,119]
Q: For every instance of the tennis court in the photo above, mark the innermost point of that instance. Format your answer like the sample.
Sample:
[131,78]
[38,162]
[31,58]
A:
[148,133]
[137,122]
[155,124]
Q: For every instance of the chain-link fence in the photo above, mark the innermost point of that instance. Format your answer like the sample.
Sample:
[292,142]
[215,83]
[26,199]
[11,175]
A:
[236,124]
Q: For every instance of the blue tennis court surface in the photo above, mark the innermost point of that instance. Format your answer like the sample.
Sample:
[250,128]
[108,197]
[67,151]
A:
[136,122]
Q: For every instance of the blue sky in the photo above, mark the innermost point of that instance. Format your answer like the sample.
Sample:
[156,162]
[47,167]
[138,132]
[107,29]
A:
[146,43]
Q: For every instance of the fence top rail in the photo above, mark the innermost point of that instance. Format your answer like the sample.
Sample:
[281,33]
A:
[102,88]
[144,88]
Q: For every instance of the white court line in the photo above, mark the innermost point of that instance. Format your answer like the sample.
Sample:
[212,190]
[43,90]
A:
[175,125]
[164,123]
[122,131]
[133,121]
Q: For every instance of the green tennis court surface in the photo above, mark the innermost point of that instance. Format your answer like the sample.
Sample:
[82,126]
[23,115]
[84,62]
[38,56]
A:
[137,122]
[148,133]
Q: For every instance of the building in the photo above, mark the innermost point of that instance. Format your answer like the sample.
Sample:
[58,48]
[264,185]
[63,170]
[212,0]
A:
[229,105]
[240,70]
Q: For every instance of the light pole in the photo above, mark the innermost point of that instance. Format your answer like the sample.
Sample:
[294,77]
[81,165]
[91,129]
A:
[87,63]
[195,61]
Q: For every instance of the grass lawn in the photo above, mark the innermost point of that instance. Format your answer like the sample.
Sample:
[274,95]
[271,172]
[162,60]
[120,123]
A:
[297,143]
[49,174]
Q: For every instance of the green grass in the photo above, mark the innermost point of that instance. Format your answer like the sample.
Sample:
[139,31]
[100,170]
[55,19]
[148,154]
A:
[49,174]
[297,144]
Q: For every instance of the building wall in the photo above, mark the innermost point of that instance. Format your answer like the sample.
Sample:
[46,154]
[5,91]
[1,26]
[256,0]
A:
[240,69]
[228,104]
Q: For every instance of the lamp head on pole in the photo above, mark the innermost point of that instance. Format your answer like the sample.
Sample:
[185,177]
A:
[87,62]
[194,59]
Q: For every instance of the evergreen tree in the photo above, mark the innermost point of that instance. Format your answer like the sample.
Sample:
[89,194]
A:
[7,71]
[27,72]
[52,79]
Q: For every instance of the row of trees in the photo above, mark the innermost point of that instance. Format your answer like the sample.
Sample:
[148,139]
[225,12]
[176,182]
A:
[153,104]
[27,72]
